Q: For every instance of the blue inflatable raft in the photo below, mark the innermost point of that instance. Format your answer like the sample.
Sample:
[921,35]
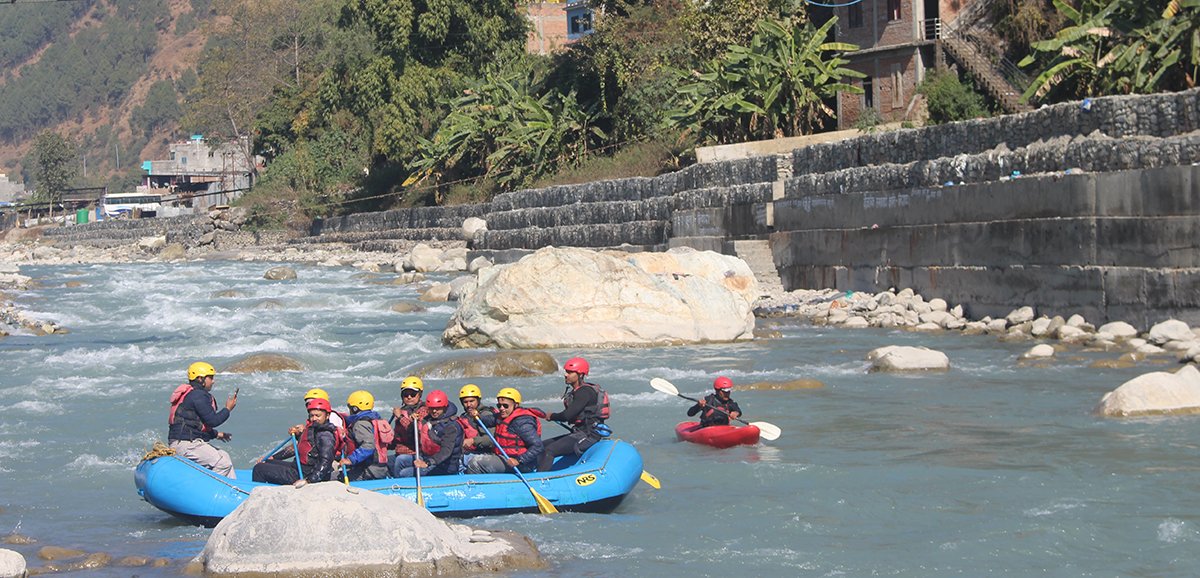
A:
[597,481]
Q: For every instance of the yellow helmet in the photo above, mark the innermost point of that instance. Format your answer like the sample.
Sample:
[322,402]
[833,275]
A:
[200,369]
[361,400]
[510,393]
[412,382]
[317,393]
[469,390]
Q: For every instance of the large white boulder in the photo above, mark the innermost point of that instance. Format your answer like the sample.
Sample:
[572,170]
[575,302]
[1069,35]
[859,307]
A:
[1170,330]
[473,225]
[424,258]
[12,564]
[906,358]
[1119,330]
[1159,392]
[570,297]
[323,527]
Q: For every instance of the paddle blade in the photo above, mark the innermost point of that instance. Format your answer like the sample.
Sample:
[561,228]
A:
[767,431]
[651,480]
[544,505]
[664,386]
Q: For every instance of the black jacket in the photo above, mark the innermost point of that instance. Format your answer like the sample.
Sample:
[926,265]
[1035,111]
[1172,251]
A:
[195,412]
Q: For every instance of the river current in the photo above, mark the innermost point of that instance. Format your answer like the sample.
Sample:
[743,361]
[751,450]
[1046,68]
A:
[990,468]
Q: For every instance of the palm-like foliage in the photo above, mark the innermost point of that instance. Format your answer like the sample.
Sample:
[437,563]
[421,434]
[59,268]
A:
[776,86]
[501,128]
[1119,47]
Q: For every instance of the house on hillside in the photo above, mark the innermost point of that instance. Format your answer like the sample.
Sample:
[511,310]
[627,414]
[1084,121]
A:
[556,23]
[899,40]
[9,190]
[201,174]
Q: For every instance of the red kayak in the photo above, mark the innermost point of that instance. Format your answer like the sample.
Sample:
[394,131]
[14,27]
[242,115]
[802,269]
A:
[717,436]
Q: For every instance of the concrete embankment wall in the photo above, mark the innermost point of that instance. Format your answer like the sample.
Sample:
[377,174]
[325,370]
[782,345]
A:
[1076,208]
[1072,209]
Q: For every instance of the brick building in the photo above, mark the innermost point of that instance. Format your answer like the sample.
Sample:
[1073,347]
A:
[898,42]
[556,23]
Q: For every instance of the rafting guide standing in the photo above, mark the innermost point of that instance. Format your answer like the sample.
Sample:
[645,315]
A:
[194,419]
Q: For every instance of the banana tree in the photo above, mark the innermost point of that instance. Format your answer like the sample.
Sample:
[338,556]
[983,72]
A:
[776,86]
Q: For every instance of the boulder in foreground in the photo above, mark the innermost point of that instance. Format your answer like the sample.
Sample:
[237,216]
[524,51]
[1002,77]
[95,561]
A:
[1154,393]
[324,530]
[569,297]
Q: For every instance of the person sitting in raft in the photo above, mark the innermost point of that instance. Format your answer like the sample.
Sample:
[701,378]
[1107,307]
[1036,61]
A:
[474,441]
[366,455]
[411,407]
[517,430]
[336,418]
[585,406]
[319,443]
[718,399]
[440,442]
[194,418]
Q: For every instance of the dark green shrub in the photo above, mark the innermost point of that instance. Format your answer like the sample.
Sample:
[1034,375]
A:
[949,99]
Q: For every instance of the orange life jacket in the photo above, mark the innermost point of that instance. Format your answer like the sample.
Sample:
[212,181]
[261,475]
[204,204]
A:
[511,443]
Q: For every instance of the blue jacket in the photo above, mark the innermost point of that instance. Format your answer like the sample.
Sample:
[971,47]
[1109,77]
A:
[195,412]
[365,448]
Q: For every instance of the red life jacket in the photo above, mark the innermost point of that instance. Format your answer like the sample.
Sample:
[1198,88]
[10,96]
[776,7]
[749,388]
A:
[177,397]
[468,426]
[598,411]
[428,446]
[305,445]
[384,436]
[511,443]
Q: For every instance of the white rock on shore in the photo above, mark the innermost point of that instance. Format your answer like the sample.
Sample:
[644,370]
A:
[324,528]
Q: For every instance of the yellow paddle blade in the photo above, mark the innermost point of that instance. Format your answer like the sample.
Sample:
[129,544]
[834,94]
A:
[651,480]
[544,505]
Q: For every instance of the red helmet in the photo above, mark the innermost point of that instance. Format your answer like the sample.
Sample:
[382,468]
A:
[437,398]
[318,403]
[723,383]
[576,364]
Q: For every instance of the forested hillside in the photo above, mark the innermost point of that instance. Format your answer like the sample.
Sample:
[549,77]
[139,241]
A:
[107,74]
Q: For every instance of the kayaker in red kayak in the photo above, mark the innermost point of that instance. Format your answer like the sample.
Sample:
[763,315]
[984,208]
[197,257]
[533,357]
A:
[721,399]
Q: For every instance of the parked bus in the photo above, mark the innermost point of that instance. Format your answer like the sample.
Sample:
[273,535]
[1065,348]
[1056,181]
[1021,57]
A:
[130,204]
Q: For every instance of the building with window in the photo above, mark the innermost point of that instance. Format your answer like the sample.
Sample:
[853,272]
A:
[199,173]
[898,42]
[556,23]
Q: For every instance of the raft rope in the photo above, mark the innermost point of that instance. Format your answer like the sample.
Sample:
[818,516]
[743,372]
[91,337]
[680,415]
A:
[159,450]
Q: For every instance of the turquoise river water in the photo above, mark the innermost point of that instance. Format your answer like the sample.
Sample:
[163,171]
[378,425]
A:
[992,468]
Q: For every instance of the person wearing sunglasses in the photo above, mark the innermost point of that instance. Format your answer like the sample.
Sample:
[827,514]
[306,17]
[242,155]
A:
[411,407]
[441,440]
[719,399]
[518,431]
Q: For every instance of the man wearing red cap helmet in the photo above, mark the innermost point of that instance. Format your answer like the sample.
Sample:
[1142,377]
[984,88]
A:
[440,442]
[585,406]
[319,442]
[719,399]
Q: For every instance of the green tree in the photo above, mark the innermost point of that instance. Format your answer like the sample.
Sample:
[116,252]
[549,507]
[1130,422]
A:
[160,109]
[54,157]
[949,99]
[775,87]
[1118,47]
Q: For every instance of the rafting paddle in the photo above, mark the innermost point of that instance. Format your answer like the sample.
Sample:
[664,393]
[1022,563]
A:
[272,452]
[646,476]
[544,505]
[346,476]
[768,431]
[296,449]
[417,456]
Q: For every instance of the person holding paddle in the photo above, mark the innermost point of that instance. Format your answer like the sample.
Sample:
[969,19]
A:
[718,407]
[440,440]
[585,406]
[518,433]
